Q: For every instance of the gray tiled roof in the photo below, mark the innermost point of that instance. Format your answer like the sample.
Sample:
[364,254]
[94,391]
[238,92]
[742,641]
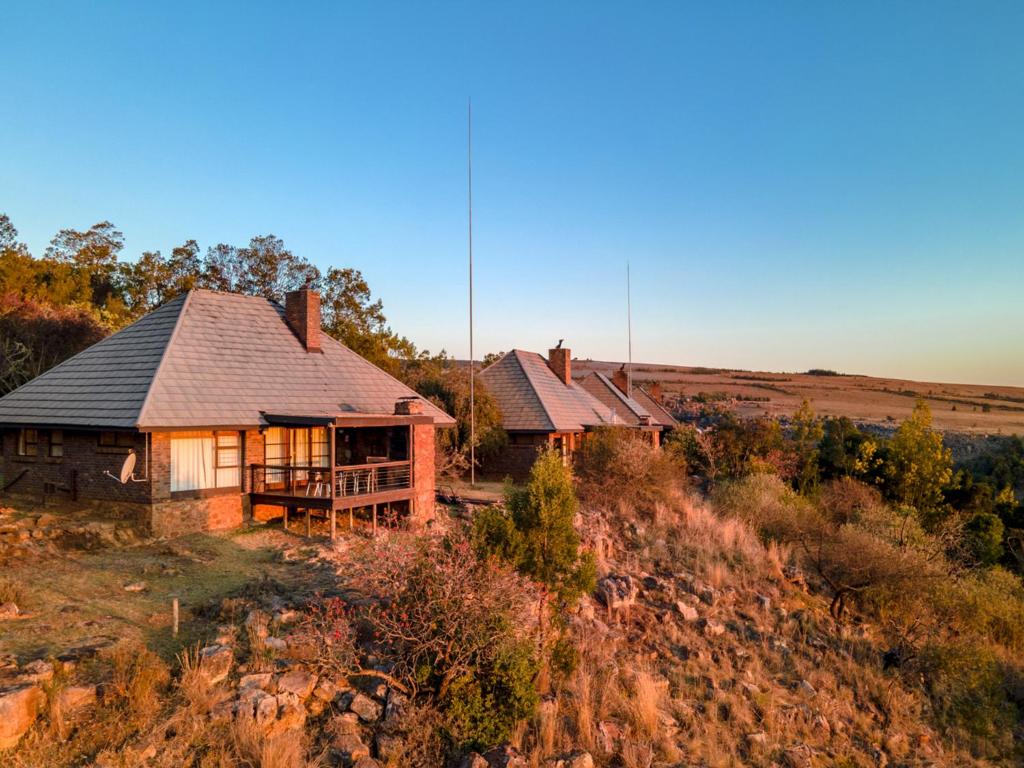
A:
[533,399]
[205,359]
[660,413]
[613,398]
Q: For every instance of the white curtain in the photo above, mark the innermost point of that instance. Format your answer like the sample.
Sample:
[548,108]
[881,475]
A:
[192,463]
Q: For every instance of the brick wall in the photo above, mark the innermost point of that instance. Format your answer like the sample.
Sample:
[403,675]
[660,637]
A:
[302,310]
[515,459]
[560,361]
[423,472]
[82,468]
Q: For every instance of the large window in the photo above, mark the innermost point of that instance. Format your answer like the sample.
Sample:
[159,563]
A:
[201,460]
[28,442]
[56,443]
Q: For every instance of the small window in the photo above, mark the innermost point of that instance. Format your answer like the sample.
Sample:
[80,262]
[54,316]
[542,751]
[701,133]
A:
[227,459]
[117,440]
[56,443]
[28,442]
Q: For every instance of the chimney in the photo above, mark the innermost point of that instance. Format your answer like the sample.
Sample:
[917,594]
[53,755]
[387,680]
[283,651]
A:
[408,406]
[560,361]
[619,379]
[302,310]
[655,392]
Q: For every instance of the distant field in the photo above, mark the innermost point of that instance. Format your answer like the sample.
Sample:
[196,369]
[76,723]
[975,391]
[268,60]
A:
[970,408]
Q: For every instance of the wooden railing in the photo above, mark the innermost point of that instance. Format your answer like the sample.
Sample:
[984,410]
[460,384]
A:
[316,482]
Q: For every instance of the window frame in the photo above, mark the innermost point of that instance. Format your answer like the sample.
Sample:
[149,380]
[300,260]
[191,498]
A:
[56,440]
[22,450]
[115,441]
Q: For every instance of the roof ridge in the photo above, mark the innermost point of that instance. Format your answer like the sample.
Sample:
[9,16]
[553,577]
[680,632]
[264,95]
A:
[533,386]
[163,356]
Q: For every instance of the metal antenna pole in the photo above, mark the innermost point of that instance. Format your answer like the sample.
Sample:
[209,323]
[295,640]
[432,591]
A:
[472,364]
[629,334]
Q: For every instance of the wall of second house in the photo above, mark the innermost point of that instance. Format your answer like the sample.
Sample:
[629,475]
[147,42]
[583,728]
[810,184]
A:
[516,458]
[79,474]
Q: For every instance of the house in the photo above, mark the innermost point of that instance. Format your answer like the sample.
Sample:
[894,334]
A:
[229,406]
[649,397]
[625,407]
[541,406]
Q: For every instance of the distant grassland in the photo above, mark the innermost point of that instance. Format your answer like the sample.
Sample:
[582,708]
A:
[974,408]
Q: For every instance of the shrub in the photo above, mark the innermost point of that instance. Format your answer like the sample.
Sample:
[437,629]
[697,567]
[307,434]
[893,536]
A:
[966,684]
[619,466]
[983,538]
[326,627]
[537,534]
[457,630]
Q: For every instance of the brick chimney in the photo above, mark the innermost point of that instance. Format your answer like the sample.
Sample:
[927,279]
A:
[620,380]
[560,361]
[654,389]
[408,406]
[302,310]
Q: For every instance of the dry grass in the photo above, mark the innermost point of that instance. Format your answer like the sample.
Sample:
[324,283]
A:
[253,749]
[11,592]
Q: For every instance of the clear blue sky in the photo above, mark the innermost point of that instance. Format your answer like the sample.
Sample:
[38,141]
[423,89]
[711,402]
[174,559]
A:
[796,185]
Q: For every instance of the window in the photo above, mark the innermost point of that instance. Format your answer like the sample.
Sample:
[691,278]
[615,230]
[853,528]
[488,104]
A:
[201,460]
[28,442]
[56,443]
[117,441]
[227,460]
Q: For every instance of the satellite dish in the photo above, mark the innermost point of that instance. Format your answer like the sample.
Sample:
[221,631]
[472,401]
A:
[128,468]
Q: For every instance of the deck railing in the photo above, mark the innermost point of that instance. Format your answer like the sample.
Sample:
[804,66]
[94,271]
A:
[320,482]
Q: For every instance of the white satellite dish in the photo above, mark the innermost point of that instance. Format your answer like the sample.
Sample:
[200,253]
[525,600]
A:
[127,470]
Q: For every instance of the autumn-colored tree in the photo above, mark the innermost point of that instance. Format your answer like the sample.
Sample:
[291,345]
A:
[806,435]
[35,336]
[918,467]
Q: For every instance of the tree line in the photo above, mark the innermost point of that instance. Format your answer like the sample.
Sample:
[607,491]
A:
[82,288]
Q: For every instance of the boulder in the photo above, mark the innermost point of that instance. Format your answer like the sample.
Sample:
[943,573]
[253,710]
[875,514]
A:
[349,747]
[215,661]
[505,757]
[75,698]
[474,760]
[290,713]
[711,627]
[262,680]
[135,586]
[617,592]
[299,682]
[38,671]
[367,709]
[688,612]
[573,760]
[18,710]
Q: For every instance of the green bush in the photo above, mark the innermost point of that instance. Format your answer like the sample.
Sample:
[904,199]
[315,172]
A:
[983,538]
[966,684]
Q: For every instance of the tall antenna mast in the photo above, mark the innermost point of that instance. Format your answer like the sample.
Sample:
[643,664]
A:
[629,334]
[472,364]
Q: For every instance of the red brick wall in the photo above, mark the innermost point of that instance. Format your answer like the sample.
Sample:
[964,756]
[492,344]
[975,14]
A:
[176,517]
[423,471]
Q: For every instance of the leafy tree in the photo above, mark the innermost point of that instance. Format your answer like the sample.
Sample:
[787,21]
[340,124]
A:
[537,532]
[918,466]
[807,434]
[351,315]
[263,268]
[444,382]
[846,451]
[86,263]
